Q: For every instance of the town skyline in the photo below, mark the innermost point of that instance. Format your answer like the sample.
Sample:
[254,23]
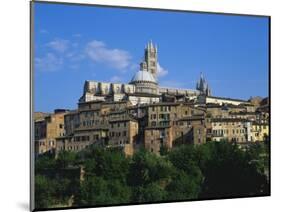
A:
[232,57]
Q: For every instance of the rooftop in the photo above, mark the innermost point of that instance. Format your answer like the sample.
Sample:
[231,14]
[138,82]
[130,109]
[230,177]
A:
[144,76]
[226,98]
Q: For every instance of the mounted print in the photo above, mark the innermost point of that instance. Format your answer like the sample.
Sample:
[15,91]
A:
[140,106]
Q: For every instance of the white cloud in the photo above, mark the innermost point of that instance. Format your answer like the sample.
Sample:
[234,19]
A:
[49,62]
[134,67]
[59,45]
[74,56]
[161,71]
[98,52]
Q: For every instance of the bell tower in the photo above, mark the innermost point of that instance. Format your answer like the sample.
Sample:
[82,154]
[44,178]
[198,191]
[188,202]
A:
[150,57]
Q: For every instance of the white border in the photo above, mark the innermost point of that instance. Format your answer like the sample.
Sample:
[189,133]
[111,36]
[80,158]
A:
[14,43]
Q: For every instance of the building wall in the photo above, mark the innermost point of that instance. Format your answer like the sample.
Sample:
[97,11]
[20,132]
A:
[142,99]
[232,130]
[123,133]
[260,131]
[156,137]
[46,132]
[189,130]
[71,122]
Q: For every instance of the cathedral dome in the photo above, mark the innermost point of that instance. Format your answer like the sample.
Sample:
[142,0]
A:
[143,76]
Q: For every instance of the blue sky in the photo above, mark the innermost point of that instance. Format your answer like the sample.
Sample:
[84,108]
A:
[77,43]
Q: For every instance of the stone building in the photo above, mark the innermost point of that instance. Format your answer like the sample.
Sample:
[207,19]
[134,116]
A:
[91,125]
[260,131]
[231,129]
[123,132]
[168,124]
[47,130]
[203,99]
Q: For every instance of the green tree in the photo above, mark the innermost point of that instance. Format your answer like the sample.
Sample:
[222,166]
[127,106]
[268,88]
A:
[98,191]
[65,159]
[182,187]
[148,177]
[185,158]
[44,162]
[44,192]
[229,172]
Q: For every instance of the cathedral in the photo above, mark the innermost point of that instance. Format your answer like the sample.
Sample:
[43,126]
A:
[143,87]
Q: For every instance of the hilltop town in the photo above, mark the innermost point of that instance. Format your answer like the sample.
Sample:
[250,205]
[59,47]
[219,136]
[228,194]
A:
[142,114]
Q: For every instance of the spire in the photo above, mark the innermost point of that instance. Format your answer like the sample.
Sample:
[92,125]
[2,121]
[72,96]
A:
[201,76]
[203,86]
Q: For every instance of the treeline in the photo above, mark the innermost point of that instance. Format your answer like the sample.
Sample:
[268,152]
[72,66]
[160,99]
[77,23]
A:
[211,170]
